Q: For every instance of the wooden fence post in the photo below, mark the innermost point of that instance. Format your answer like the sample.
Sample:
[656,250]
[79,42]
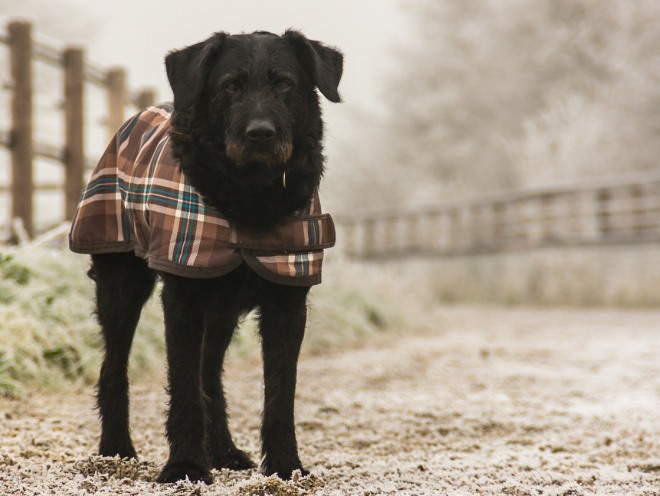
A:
[390,239]
[74,128]
[548,217]
[638,221]
[368,245]
[516,213]
[498,231]
[455,238]
[117,98]
[412,232]
[145,98]
[434,231]
[20,46]
[574,205]
[476,221]
[603,213]
[349,236]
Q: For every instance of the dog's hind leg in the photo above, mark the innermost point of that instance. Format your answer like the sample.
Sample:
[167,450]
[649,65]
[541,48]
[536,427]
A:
[283,313]
[123,285]
[218,330]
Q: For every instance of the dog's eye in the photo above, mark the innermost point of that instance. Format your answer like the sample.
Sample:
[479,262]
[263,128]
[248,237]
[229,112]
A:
[232,87]
[283,85]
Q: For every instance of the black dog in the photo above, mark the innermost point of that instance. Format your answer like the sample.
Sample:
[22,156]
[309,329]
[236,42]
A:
[245,111]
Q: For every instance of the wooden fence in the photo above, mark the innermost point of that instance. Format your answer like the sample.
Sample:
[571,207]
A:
[24,50]
[625,211]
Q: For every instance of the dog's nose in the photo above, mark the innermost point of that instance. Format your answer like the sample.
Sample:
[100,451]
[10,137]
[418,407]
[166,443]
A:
[260,130]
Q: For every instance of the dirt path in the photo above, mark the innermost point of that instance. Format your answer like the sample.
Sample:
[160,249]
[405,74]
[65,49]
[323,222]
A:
[514,402]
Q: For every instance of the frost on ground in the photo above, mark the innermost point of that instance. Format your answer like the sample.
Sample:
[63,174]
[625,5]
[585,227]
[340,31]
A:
[512,402]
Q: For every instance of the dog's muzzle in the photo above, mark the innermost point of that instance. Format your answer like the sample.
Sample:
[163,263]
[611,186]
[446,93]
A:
[260,131]
[259,143]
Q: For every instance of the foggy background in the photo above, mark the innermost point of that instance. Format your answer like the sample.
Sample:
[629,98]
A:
[442,100]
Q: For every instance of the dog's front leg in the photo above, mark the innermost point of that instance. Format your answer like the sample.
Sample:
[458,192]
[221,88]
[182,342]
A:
[218,330]
[184,307]
[283,313]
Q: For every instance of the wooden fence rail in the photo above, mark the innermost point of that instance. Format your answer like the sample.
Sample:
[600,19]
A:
[24,50]
[625,211]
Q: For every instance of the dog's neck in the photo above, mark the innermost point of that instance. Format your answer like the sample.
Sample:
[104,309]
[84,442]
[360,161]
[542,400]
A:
[253,198]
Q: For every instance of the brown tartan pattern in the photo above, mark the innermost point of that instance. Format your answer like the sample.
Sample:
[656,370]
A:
[138,199]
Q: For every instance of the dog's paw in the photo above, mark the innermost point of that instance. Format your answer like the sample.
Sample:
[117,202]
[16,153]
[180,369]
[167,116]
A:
[282,469]
[173,472]
[235,459]
[123,450]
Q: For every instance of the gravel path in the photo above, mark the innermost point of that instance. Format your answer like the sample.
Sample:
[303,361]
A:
[513,402]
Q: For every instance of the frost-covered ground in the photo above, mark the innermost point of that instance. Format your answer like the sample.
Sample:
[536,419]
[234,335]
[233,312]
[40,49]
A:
[513,402]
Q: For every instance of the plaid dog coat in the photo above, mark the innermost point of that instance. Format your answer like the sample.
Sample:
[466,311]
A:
[138,199]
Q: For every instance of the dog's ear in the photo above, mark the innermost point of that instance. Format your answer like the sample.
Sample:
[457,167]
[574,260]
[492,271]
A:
[187,69]
[324,64]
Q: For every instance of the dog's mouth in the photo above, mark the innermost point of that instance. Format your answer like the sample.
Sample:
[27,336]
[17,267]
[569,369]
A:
[270,154]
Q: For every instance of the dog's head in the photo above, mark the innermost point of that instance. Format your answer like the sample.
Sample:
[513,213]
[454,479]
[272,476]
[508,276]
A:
[254,94]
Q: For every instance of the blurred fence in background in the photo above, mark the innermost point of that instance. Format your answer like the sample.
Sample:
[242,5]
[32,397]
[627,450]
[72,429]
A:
[24,51]
[625,211]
